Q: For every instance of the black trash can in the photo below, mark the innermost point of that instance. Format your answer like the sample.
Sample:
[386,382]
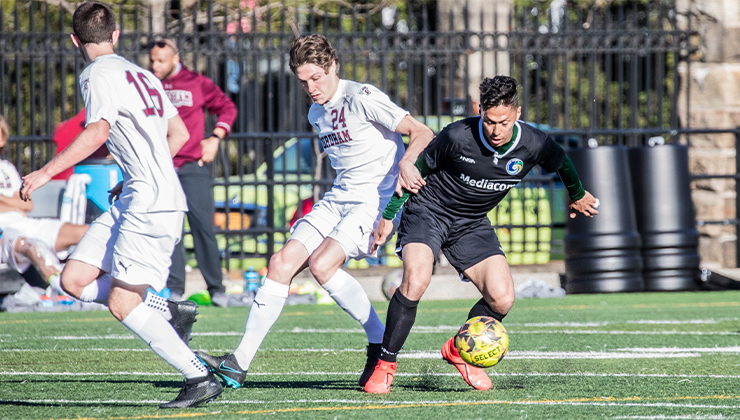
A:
[665,217]
[602,253]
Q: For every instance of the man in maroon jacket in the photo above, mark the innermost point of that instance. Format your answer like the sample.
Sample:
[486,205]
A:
[191,93]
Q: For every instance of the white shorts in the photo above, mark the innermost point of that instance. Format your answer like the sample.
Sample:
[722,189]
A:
[350,224]
[46,230]
[135,248]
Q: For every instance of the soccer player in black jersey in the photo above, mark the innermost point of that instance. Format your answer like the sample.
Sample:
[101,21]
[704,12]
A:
[469,167]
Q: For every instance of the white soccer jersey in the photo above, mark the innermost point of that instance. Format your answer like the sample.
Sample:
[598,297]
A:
[356,129]
[135,105]
[10,179]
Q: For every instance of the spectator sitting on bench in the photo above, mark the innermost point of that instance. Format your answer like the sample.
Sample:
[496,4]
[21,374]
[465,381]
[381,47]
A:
[56,234]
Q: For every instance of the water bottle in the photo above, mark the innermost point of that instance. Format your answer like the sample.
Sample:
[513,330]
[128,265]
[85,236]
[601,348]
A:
[251,280]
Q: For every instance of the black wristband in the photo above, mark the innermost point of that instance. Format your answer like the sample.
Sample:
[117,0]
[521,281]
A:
[213,134]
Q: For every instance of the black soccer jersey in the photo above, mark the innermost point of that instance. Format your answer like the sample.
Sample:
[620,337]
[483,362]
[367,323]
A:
[468,177]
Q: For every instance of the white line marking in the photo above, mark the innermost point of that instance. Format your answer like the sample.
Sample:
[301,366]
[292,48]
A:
[621,353]
[568,355]
[399,374]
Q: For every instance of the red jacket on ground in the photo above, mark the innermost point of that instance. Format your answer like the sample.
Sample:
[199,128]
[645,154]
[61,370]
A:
[190,92]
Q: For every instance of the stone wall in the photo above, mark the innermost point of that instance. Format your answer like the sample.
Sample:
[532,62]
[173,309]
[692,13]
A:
[712,86]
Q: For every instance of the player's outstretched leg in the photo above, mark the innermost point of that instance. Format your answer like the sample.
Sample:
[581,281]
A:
[196,392]
[474,376]
[400,319]
[350,296]
[226,367]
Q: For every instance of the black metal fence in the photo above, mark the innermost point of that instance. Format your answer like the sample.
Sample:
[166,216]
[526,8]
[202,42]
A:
[608,73]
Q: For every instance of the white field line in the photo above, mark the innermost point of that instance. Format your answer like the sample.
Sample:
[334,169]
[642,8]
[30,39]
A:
[621,353]
[391,403]
[399,374]
[680,417]
[432,330]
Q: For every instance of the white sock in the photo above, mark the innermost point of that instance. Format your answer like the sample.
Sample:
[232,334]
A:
[163,339]
[97,291]
[266,308]
[55,282]
[350,296]
[158,303]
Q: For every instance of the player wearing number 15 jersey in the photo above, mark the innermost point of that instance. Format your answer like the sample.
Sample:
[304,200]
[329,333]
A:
[133,241]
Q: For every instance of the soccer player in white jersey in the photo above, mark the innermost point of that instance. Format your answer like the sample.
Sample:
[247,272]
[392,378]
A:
[360,128]
[133,241]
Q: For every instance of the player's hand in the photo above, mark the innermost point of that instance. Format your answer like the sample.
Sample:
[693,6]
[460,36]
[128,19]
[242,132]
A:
[587,206]
[32,182]
[115,193]
[409,177]
[380,235]
[209,149]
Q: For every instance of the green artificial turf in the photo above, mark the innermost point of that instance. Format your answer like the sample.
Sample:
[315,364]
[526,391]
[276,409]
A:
[627,356]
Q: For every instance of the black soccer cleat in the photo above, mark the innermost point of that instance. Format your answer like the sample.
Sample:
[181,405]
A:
[373,355]
[196,392]
[226,367]
[183,318]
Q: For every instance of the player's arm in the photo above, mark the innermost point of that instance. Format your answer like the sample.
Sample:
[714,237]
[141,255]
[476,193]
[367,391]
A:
[420,136]
[91,138]
[385,225]
[177,134]
[581,200]
[217,103]
[14,203]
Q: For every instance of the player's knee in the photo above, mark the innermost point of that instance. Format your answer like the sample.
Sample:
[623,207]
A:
[70,283]
[503,301]
[279,267]
[321,269]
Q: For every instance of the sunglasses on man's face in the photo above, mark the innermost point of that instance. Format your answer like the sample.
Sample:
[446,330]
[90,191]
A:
[161,44]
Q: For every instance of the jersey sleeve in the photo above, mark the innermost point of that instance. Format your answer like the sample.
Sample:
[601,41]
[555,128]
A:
[218,104]
[100,101]
[551,155]
[439,150]
[375,106]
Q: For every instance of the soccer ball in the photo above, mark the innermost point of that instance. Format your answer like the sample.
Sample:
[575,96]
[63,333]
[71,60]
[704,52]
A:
[391,281]
[482,341]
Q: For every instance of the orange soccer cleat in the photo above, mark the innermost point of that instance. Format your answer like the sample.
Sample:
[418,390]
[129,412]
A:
[381,380]
[474,376]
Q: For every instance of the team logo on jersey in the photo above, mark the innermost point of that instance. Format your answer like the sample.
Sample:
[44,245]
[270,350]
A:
[364,91]
[85,85]
[514,166]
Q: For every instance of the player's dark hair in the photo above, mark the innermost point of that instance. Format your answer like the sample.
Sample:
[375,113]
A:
[94,23]
[312,49]
[497,91]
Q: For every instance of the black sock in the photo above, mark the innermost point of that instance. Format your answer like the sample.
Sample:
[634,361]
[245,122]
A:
[400,319]
[481,308]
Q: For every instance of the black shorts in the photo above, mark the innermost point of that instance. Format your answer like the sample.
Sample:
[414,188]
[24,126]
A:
[465,242]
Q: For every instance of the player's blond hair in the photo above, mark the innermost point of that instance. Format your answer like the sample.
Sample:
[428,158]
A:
[312,49]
